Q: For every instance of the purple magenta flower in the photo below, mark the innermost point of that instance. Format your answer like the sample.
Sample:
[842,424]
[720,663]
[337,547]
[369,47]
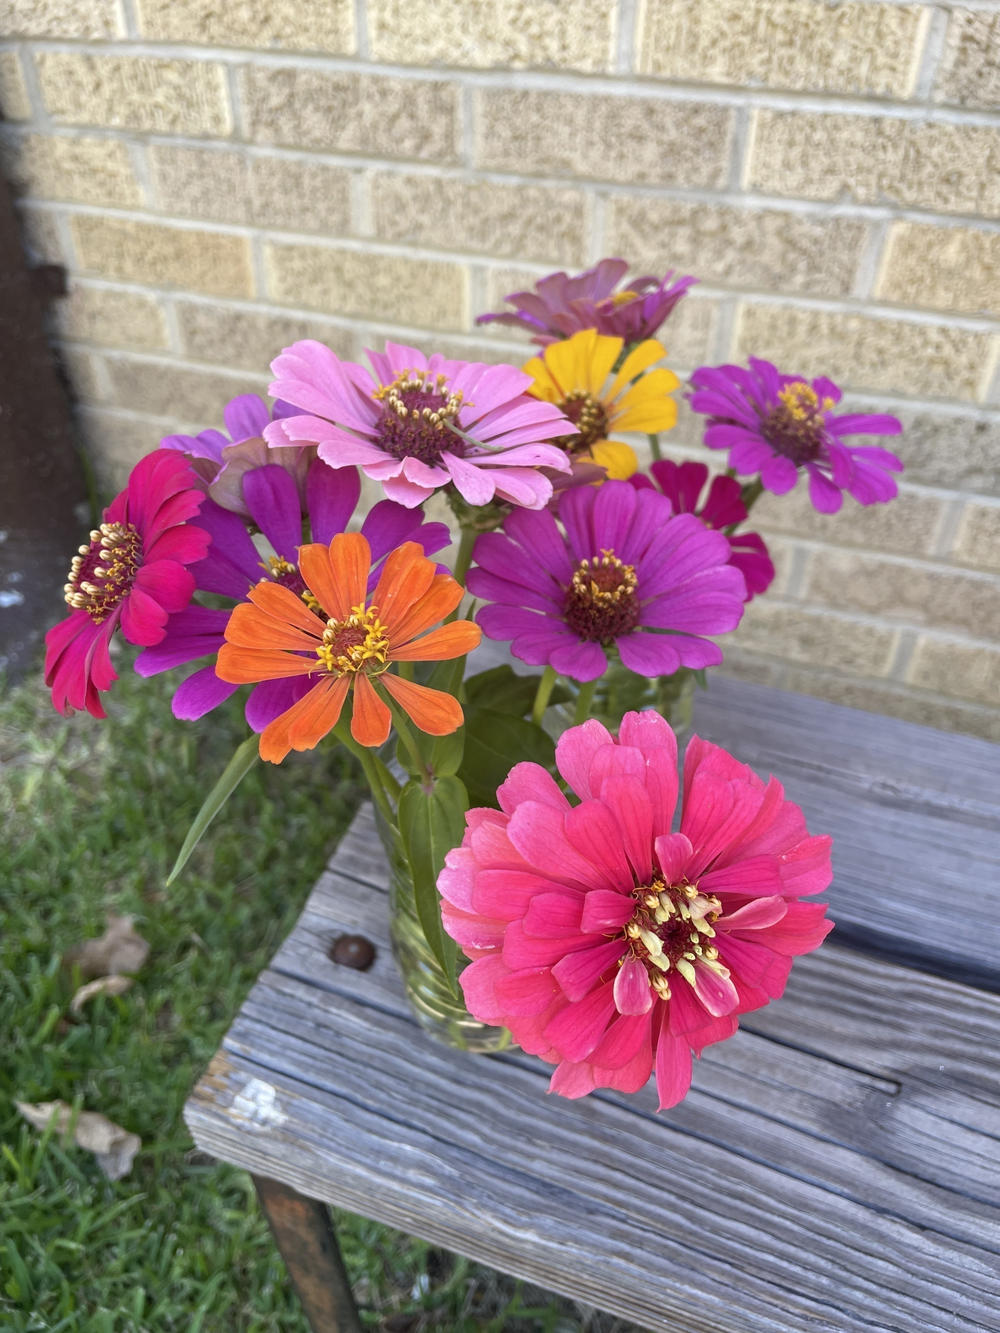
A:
[420,424]
[776,424]
[626,574]
[221,460]
[683,483]
[234,565]
[560,306]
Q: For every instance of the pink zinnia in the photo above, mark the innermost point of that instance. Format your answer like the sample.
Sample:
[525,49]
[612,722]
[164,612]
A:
[419,423]
[132,574]
[611,946]
[723,509]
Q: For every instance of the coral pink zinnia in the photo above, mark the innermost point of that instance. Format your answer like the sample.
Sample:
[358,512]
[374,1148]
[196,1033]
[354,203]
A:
[131,573]
[611,946]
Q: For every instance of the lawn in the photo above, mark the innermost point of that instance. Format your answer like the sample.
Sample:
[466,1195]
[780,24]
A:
[93,814]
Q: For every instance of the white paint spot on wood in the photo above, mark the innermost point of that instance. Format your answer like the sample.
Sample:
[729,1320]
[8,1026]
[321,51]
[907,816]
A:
[258,1105]
[10,598]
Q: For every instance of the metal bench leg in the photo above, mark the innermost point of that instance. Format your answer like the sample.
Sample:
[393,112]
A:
[305,1236]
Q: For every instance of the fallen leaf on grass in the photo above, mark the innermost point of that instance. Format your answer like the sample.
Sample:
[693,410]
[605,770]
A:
[114,1147]
[113,985]
[120,949]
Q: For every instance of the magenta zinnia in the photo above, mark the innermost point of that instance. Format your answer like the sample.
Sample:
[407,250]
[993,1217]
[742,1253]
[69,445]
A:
[611,946]
[560,305]
[779,424]
[723,509]
[419,423]
[626,575]
[130,574]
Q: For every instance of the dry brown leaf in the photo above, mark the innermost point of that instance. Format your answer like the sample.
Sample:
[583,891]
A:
[113,1147]
[113,985]
[120,949]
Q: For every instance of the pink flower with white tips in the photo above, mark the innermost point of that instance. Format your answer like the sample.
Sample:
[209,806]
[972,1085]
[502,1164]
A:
[421,423]
[610,945]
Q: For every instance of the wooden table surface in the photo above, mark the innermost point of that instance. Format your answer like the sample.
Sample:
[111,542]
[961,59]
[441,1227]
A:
[836,1165]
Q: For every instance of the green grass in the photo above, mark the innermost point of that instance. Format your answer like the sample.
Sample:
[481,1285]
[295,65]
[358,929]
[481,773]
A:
[93,814]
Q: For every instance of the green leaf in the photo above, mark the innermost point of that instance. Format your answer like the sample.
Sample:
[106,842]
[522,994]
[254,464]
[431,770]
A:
[431,823]
[494,743]
[446,755]
[502,690]
[236,770]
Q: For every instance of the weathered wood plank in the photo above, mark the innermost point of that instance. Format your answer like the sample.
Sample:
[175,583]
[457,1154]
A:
[835,1166]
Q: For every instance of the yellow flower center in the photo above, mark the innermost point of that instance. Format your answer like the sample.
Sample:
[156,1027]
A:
[591,418]
[417,415]
[795,427]
[102,572]
[359,642]
[671,929]
[287,574]
[601,601]
[623,298]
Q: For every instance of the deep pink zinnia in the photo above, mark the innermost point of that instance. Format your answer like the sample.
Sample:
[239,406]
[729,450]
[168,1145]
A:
[723,509]
[419,423]
[132,572]
[779,424]
[611,946]
[560,305]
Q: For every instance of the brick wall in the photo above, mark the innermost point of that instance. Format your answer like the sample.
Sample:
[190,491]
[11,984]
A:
[221,179]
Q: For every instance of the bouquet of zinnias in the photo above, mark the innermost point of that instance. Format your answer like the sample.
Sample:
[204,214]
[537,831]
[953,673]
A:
[530,814]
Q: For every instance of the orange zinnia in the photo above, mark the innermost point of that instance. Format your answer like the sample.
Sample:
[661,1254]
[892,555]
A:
[349,639]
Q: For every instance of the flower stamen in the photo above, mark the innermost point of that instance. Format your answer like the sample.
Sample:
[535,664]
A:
[417,412]
[670,930]
[796,426]
[102,571]
[601,601]
[360,642]
[591,418]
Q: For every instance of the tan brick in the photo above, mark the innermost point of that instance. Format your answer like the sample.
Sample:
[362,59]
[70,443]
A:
[250,339]
[876,160]
[943,268]
[135,92]
[164,389]
[800,635]
[636,140]
[965,670]
[261,25]
[78,19]
[978,540]
[79,169]
[114,443]
[844,48]
[522,221]
[969,73]
[509,34]
[907,525]
[865,352]
[225,185]
[351,113]
[422,292]
[112,317]
[15,101]
[155,254]
[959,452]
[742,247]
[917,594]
[85,371]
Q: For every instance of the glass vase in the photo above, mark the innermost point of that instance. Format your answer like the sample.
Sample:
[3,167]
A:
[620,691]
[438,1009]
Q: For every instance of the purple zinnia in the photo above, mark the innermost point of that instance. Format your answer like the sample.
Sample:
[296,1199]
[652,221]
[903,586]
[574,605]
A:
[234,565]
[626,573]
[560,305]
[221,460]
[723,509]
[423,423]
[776,424]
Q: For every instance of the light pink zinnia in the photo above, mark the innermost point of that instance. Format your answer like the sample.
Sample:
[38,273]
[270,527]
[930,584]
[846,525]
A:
[611,946]
[421,423]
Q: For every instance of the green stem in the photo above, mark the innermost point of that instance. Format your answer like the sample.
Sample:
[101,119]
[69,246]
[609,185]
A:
[370,765]
[654,447]
[751,492]
[546,683]
[406,736]
[583,702]
[464,557]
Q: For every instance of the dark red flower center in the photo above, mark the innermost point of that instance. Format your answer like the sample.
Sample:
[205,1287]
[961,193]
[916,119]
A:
[601,602]
[590,416]
[284,572]
[417,413]
[796,426]
[672,929]
[102,572]
[361,641]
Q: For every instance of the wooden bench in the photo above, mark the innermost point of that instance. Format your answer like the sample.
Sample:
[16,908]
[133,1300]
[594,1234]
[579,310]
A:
[836,1164]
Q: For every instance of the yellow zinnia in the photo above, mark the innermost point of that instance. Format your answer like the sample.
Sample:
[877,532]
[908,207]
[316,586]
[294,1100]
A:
[576,375]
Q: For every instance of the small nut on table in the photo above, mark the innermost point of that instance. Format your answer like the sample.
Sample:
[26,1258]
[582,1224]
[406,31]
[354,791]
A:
[353,951]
